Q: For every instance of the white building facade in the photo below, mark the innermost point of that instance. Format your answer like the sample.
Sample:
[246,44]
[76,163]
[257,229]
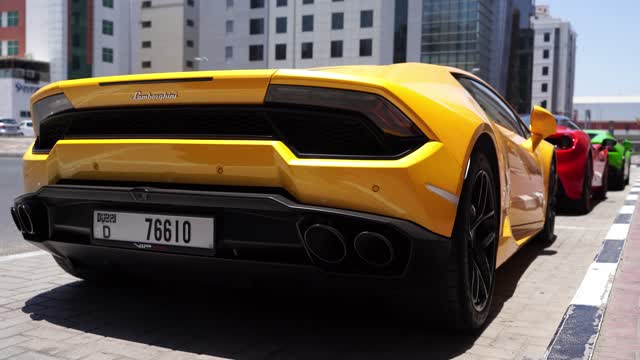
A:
[554,57]
[250,34]
[81,38]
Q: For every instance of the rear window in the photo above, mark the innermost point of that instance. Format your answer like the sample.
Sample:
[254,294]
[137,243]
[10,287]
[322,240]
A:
[592,135]
[8,121]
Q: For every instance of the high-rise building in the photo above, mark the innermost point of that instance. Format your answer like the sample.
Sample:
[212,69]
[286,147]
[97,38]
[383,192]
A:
[554,57]
[307,33]
[80,38]
[518,87]
[474,35]
[168,35]
[12,28]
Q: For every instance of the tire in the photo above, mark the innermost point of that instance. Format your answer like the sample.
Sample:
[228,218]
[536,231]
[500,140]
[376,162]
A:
[628,174]
[583,205]
[618,181]
[547,236]
[470,275]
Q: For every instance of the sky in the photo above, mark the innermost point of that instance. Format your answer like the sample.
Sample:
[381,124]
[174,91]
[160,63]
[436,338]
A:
[608,44]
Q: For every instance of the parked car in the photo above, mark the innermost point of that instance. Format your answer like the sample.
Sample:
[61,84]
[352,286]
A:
[9,127]
[582,166]
[26,126]
[369,174]
[619,157]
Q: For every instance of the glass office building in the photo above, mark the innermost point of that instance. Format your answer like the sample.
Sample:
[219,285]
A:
[458,33]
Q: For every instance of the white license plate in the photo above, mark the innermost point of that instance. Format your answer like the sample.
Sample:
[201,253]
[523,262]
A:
[185,231]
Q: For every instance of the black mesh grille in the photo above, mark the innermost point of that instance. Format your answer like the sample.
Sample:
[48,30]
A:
[308,132]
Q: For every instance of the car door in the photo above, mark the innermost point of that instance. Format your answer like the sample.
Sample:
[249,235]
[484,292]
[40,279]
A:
[525,180]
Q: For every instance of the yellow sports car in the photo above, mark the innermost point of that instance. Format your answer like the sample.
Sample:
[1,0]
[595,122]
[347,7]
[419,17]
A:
[384,175]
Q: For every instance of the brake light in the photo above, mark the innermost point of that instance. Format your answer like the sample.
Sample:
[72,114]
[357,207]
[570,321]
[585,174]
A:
[49,106]
[383,114]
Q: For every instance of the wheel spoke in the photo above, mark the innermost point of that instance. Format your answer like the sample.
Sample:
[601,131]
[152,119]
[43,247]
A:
[482,285]
[481,220]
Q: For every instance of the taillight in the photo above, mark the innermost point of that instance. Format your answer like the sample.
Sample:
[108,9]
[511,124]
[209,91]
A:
[380,111]
[48,106]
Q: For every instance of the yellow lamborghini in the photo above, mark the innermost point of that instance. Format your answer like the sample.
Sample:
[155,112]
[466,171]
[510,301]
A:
[376,174]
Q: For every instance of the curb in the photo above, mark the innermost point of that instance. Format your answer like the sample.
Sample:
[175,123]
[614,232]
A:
[578,331]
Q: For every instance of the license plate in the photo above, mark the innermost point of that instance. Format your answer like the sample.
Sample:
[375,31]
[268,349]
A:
[155,229]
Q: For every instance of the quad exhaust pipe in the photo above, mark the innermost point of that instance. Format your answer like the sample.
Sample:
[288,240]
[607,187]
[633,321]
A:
[327,245]
[374,249]
[22,217]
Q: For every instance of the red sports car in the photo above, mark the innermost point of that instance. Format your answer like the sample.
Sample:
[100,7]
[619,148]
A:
[582,167]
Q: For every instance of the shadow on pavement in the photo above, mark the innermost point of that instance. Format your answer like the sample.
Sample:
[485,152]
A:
[251,323]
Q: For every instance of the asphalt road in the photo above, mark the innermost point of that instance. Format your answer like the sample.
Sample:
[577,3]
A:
[11,241]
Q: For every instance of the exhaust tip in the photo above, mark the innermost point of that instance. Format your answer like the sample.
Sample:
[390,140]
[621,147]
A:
[24,216]
[374,249]
[16,219]
[325,243]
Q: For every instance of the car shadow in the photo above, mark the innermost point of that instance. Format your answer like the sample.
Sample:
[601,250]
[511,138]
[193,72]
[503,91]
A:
[242,322]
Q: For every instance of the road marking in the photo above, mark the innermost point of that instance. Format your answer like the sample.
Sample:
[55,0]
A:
[617,232]
[596,285]
[21,256]
[579,329]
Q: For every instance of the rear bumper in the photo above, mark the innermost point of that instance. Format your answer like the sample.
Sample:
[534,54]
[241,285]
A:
[256,233]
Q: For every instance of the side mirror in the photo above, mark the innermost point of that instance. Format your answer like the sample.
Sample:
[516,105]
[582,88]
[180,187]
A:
[609,144]
[543,124]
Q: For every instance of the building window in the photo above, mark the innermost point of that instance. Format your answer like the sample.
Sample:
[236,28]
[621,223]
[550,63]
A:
[305,2]
[256,26]
[190,23]
[189,64]
[107,55]
[337,21]
[257,4]
[25,114]
[75,40]
[107,3]
[336,49]
[229,4]
[12,18]
[338,0]
[12,47]
[366,46]
[256,52]
[107,27]
[146,64]
[146,44]
[228,52]
[146,4]
[75,62]
[307,23]
[281,51]
[146,24]
[281,3]
[191,3]
[281,25]
[229,26]
[547,37]
[307,50]
[545,70]
[366,18]
[544,87]
[545,54]
[543,103]
[190,43]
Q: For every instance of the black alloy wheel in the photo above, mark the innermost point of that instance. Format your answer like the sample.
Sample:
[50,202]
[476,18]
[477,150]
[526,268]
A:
[547,236]
[483,236]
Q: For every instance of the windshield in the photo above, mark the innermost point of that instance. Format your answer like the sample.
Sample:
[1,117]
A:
[8,121]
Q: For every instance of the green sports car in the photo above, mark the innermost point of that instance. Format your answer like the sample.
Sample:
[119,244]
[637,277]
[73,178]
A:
[619,157]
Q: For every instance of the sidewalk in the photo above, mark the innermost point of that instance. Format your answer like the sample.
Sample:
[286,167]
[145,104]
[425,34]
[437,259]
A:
[14,146]
[620,334]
